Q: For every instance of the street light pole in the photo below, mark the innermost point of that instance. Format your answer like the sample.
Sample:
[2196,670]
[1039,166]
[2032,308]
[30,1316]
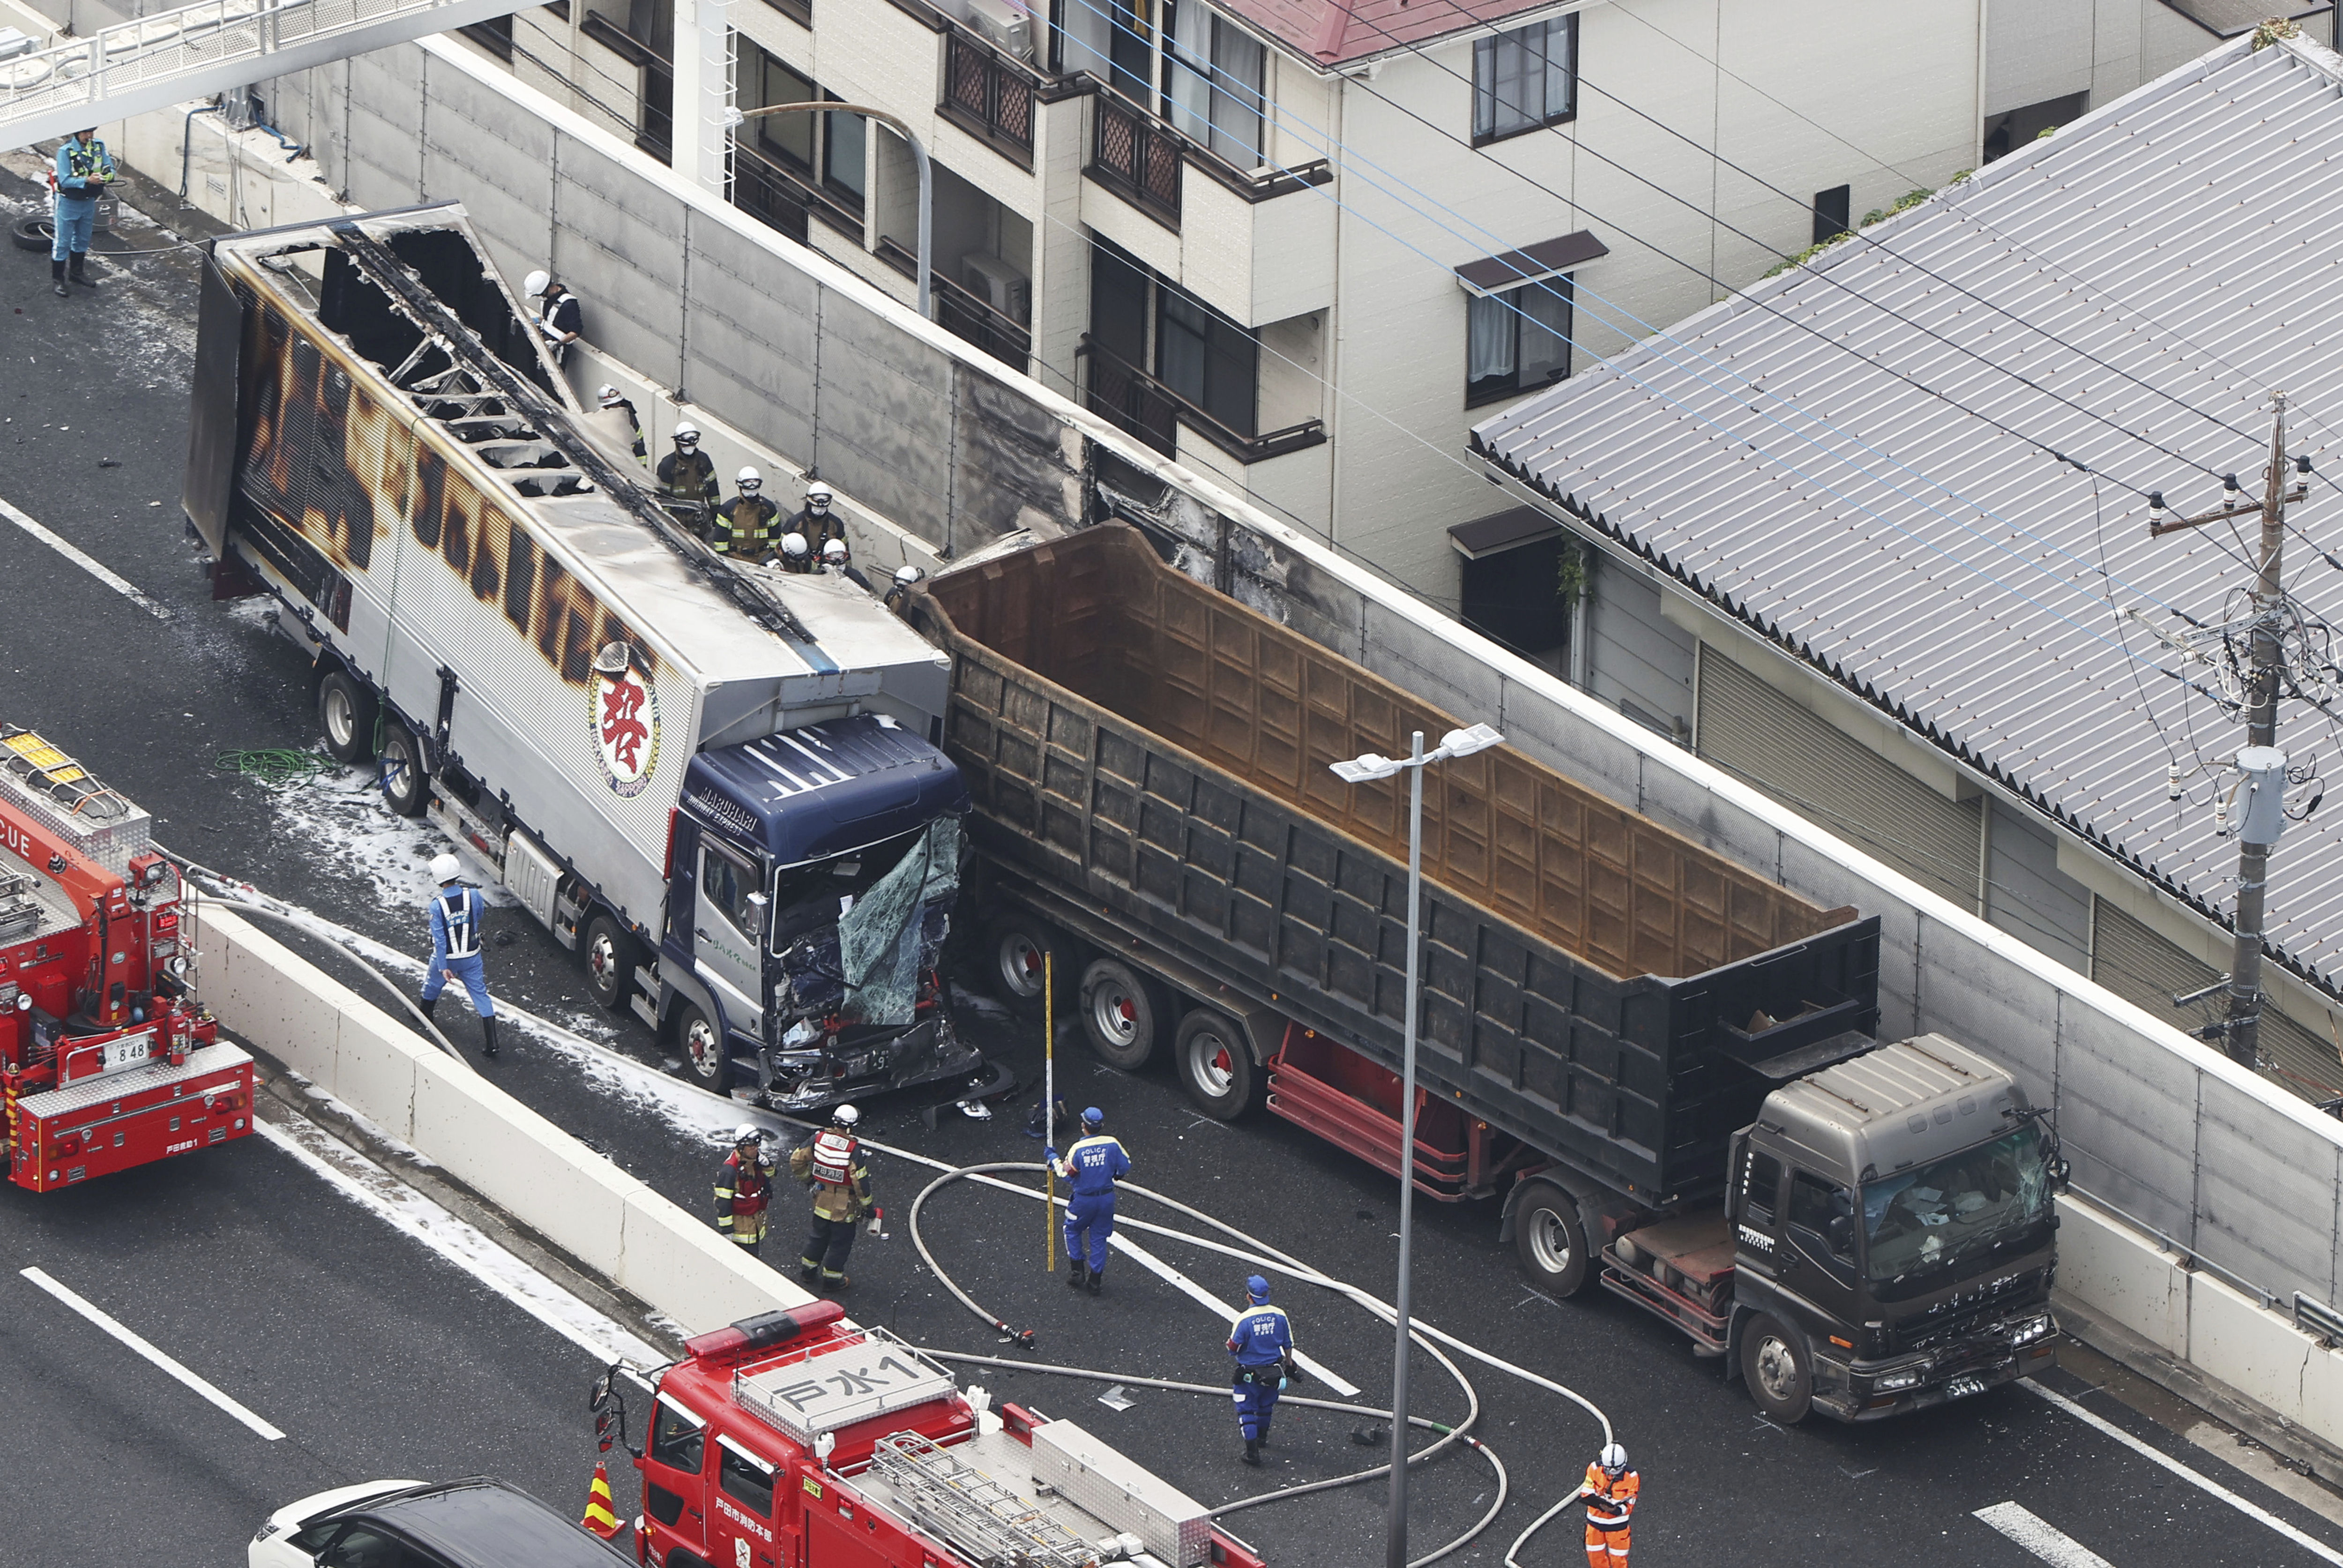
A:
[1360,771]
[919,156]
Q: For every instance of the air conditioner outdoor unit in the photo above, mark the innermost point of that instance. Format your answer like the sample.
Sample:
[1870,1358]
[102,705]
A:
[999,285]
[1005,24]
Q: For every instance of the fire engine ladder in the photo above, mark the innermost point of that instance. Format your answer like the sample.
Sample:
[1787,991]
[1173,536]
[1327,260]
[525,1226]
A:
[170,56]
[972,1510]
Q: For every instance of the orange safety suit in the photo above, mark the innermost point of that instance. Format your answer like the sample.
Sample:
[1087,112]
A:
[1610,1516]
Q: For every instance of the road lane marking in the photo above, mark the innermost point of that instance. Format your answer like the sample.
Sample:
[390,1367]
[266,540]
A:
[123,1332]
[405,1209]
[85,560]
[2319,1549]
[2037,1535]
[1182,1282]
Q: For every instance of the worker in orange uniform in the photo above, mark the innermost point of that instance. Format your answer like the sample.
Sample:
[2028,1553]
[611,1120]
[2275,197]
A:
[1611,1492]
[831,1163]
[744,1189]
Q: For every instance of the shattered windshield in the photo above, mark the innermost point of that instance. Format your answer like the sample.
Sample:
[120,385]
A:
[1924,1218]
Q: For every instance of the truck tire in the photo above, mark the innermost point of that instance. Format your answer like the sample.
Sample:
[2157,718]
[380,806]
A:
[1124,1014]
[609,955]
[1215,1064]
[405,785]
[1022,950]
[346,717]
[706,1060]
[1551,1240]
[1778,1369]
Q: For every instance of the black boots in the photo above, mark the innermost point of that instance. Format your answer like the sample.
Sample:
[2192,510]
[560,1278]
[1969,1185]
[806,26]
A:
[1252,1452]
[1097,1278]
[429,1005]
[487,1037]
[57,275]
[1076,1272]
[80,273]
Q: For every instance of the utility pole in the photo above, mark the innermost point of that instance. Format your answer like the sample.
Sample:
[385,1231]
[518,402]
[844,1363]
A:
[2261,763]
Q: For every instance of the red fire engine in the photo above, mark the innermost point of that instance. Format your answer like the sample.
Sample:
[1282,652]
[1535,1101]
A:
[799,1440]
[104,1063]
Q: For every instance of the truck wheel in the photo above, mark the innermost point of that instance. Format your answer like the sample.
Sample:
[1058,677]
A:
[1779,1371]
[1550,1239]
[405,785]
[346,711]
[707,1061]
[1215,1064]
[1124,1014]
[1024,949]
[610,958]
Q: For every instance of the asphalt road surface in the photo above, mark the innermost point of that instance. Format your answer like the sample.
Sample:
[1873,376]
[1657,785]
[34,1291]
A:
[368,1360]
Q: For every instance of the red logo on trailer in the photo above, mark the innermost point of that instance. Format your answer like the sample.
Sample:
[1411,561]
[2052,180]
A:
[624,712]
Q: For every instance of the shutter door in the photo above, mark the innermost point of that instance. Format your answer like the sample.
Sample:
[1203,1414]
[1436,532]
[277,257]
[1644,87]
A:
[1753,731]
[2144,969]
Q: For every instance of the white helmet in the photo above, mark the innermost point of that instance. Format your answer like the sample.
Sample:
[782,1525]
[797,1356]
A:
[748,477]
[793,544]
[818,496]
[446,868]
[536,283]
[747,1132]
[606,394]
[1614,1459]
[846,1116]
[835,551]
[686,432]
[906,576]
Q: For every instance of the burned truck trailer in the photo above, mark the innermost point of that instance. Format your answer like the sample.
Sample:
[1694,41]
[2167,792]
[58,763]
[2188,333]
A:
[684,767]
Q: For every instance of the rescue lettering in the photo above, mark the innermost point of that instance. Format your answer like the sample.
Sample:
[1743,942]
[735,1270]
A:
[745,1521]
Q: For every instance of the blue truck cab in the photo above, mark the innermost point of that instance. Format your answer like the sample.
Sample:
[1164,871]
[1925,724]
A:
[775,843]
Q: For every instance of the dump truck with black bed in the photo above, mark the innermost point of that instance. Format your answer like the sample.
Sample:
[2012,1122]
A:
[1663,1064]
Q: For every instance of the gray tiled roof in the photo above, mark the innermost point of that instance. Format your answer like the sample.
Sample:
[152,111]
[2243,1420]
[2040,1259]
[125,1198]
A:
[2183,243]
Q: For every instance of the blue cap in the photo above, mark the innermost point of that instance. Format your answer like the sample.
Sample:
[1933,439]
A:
[1257,1287]
[1093,1116]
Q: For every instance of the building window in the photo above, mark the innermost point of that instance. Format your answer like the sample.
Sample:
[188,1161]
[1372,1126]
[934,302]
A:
[1516,341]
[842,166]
[1831,209]
[786,138]
[1214,80]
[1525,78]
[1207,359]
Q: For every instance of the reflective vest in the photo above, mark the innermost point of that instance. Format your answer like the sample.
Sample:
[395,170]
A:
[1611,1504]
[742,1193]
[749,529]
[457,911]
[833,1158]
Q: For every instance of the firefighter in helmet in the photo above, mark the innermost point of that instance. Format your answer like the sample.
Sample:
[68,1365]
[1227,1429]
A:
[815,520]
[831,1163]
[744,1189]
[687,476]
[1611,1492]
[744,529]
[795,556]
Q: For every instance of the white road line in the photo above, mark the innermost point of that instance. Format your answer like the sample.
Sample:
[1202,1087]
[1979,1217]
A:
[121,1332]
[85,560]
[2317,1548]
[404,1208]
[2044,1540]
[1182,1282]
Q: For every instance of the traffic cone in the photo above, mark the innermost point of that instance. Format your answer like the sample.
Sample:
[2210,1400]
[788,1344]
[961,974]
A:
[599,1516]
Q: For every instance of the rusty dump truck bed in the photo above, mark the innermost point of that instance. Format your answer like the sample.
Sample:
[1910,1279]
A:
[1595,984]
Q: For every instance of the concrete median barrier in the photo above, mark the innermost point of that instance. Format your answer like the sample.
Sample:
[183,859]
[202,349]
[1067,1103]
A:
[615,1226]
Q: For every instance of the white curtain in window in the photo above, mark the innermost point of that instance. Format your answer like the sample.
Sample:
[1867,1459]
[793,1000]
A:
[1187,67]
[1239,79]
[1489,339]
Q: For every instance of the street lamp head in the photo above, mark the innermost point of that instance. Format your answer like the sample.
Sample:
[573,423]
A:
[1363,770]
[1464,742]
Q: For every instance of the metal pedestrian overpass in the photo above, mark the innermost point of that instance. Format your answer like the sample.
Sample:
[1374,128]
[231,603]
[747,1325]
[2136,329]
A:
[211,47]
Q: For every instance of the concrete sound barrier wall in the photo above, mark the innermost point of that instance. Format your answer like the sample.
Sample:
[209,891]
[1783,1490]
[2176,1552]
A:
[616,1226]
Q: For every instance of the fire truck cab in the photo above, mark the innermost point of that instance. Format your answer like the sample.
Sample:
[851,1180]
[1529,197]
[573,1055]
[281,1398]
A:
[103,1062]
[799,1440]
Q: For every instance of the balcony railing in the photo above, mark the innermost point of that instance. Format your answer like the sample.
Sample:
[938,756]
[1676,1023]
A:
[989,95]
[1137,156]
[965,314]
[1141,406]
[777,195]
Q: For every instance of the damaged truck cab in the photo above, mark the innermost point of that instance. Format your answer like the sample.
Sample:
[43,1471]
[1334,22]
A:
[692,771]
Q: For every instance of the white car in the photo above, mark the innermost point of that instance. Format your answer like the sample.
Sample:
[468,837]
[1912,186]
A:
[475,1523]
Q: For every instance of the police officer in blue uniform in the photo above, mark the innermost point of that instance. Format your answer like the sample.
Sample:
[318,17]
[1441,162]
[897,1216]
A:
[1093,1164]
[1262,1343]
[84,169]
[457,912]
